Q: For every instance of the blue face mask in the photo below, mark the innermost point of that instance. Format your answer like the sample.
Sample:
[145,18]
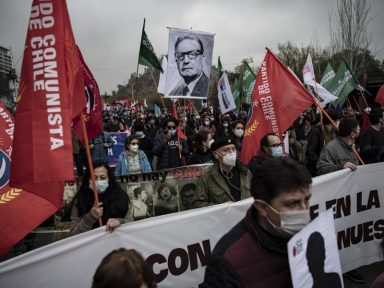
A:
[277,151]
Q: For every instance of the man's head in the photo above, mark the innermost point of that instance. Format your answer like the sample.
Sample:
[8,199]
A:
[335,116]
[189,53]
[271,145]
[376,116]
[224,151]
[187,194]
[349,129]
[280,187]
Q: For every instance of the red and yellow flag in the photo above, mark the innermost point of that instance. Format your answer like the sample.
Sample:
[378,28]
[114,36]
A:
[51,94]
[278,98]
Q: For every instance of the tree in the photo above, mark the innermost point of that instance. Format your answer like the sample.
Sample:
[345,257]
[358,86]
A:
[350,38]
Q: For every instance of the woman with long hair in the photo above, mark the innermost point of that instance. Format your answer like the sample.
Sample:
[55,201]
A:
[114,206]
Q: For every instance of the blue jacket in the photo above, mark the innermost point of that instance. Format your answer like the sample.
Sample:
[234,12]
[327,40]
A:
[123,168]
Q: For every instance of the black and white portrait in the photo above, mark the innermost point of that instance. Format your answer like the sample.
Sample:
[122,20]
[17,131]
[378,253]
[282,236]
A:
[189,64]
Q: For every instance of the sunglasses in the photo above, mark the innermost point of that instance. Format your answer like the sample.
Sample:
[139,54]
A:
[171,127]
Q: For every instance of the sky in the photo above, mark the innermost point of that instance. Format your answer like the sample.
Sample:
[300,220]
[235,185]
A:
[109,32]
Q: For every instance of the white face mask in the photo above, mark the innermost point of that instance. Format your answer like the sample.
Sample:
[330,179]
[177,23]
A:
[230,159]
[207,123]
[197,117]
[172,132]
[139,134]
[134,147]
[277,151]
[225,125]
[239,133]
[291,222]
[210,143]
[101,186]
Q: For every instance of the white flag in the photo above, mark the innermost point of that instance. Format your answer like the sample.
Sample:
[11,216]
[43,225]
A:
[163,76]
[308,72]
[224,93]
[317,91]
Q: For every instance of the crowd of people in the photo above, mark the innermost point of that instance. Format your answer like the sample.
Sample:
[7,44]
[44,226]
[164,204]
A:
[274,177]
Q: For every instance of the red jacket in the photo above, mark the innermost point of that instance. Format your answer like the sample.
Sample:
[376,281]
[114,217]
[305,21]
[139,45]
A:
[248,256]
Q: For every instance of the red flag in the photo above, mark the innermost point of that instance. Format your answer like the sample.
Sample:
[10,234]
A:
[278,99]
[94,109]
[50,96]
[380,96]
[180,133]
[18,211]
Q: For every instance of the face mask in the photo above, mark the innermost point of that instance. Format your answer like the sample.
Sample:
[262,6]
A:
[172,132]
[239,133]
[197,117]
[101,186]
[230,159]
[277,151]
[291,222]
[210,143]
[207,123]
[225,125]
[152,122]
[134,147]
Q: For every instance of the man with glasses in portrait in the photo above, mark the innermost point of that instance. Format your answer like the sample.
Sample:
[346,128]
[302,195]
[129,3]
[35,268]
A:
[189,54]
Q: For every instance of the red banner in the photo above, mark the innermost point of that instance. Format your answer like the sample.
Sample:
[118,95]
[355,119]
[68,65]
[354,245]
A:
[20,211]
[380,96]
[50,96]
[278,99]
[93,114]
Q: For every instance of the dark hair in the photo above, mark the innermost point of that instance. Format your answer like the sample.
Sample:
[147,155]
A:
[165,185]
[187,187]
[277,175]
[129,139]
[375,115]
[137,191]
[189,37]
[347,126]
[123,268]
[264,140]
[334,114]
[235,123]
[115,200]
[138,126]
[166,121]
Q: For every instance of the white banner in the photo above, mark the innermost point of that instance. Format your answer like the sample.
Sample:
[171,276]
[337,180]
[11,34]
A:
[178,245]
[189,64]
[226,101]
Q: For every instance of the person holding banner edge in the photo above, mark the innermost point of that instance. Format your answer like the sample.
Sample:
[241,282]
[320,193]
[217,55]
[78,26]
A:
[254,252]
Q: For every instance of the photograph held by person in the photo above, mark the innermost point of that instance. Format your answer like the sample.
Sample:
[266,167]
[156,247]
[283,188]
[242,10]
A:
[226,180]
[132,160]
[254,252]
[114,206]
[123,268]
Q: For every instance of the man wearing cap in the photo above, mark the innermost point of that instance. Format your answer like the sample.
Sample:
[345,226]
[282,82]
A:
[227,180]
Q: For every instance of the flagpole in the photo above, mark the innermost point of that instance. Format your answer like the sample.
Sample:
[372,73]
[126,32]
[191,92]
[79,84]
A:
[89,160]
[242,86]
[138,62]
[357,104]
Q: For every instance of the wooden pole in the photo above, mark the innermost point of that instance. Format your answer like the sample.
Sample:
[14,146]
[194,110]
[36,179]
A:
[90,165]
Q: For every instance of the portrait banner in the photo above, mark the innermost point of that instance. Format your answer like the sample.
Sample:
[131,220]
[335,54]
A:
[189,64]
[177,245]
[313,254]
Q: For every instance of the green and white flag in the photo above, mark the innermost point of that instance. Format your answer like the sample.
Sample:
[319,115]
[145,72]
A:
[328,76]
[147,56]
[342,84]
[249,79]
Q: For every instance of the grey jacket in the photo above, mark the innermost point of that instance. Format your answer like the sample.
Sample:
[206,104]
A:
[333,157]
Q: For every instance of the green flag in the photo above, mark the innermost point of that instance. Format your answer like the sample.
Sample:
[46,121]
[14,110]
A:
[249,79]
[342,84]
[236,88]
[219,68]
[328,76]
[147,56]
